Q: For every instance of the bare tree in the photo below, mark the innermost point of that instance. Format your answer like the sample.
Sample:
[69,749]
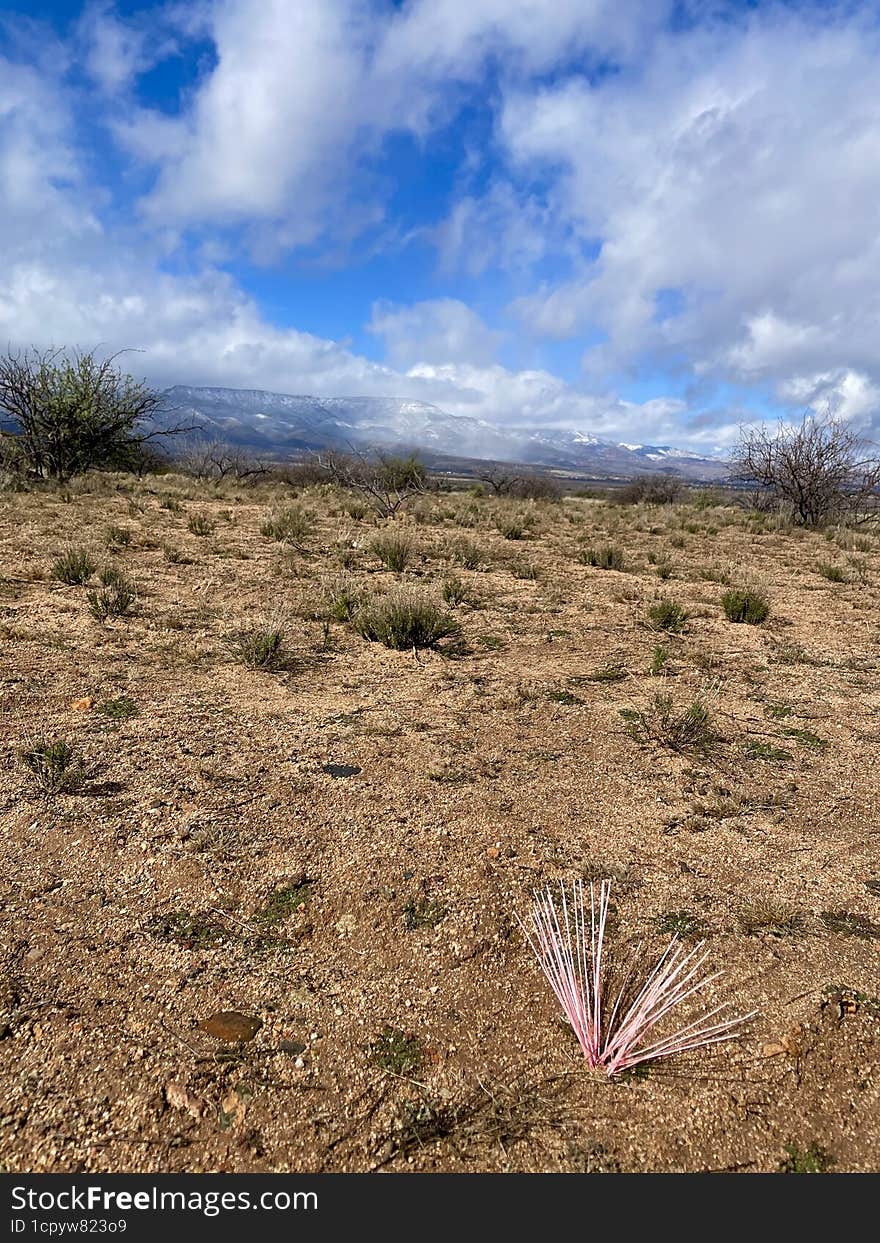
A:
[71,412]
[213,459]
[818,471]
[387,480]
[528,485]
[662,488]
[501,481]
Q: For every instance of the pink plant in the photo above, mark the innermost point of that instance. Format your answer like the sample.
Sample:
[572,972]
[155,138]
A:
[569,944]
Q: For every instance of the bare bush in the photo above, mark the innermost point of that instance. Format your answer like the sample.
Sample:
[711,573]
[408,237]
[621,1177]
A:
[817,471]
[524,485]
[386,480]
[212,459]
[660,489]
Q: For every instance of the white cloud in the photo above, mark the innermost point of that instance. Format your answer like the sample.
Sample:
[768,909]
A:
[114,51]
[713,199]
[441,330]
[848,394]
[303,93]
[738,167]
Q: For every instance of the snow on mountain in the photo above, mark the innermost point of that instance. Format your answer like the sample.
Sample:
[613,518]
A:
[280,423]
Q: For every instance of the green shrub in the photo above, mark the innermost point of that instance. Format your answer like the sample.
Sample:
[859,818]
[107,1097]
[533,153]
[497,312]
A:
[74,567]
[394,549]
[466,554]
[118,536]
[834,573]
[174,556]
[514,526]
[405,619]
[748,606]
[686,729]
[54,767]
[116,600]
[200,524]
[342,599]
[288,526]
[118,709]
[659,661]
[667,615]
[455,591]
[261,646]
[606,558]
[111,577]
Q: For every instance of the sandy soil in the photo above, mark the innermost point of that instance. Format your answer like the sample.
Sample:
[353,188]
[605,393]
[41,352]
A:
[209,862]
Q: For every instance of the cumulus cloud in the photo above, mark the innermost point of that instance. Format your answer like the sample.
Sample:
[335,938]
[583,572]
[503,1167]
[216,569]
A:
[442,330]
[737,169]
[302,94]
[698,197]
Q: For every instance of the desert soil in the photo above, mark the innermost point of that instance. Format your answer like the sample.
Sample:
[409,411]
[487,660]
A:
[341,847]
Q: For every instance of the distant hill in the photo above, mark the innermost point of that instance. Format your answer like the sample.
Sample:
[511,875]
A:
[278,423]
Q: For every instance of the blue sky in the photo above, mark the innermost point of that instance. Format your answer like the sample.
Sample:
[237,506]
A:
[648,220]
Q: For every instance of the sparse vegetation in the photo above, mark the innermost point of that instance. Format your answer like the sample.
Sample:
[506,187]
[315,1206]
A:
[455,591]
[834,573]
[200,524]
[74,567]
[405,619]
[54,766]
[118,599]
[118,537]
[261,645]
[288,526]
[810,1160]
[344,847]
[667,615]
[745,605]
[394,549]
[397,1052]
[605,558]
[685,729]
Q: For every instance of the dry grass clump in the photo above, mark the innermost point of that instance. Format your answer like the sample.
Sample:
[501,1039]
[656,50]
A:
[288,526]
[609,557]
[687,729]
[745,605]
[74,567]
[261,645]
[394,549]
[200,524]
[405,619]
[54,766]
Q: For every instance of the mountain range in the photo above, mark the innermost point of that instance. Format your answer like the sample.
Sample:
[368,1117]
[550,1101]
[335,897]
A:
[278,424]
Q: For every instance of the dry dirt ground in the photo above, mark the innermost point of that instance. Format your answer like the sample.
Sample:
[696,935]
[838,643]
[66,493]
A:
[212,860]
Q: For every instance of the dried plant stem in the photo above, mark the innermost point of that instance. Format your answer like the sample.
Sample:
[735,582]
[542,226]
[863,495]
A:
[568,939]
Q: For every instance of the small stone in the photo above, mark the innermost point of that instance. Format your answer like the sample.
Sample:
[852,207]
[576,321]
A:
[179,1096]
[293,1047]
[493,852]
[232,1027]
[82,705]
[340,770]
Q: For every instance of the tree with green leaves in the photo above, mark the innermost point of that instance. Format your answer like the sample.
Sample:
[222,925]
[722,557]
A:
[69,412]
